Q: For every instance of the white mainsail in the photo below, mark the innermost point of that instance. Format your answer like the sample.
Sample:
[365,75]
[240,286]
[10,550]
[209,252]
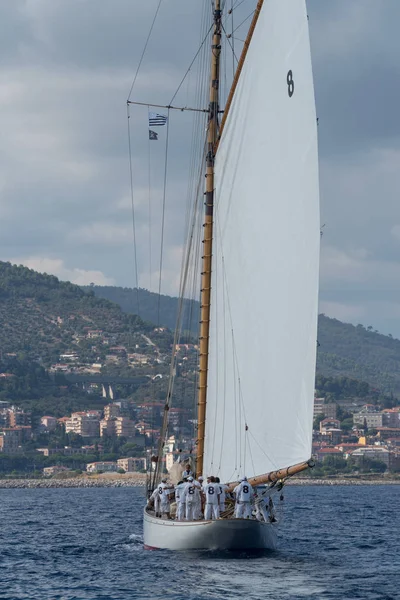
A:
[266,256]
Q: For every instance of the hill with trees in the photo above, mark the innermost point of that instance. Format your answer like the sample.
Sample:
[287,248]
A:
[42,318]
[357,352]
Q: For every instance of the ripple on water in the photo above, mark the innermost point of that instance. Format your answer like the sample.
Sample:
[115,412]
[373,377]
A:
[79,544]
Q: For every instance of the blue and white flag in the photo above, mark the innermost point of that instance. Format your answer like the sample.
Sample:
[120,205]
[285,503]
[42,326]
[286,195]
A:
[156,120]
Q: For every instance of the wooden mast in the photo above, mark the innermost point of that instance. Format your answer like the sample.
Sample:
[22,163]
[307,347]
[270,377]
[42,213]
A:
[205,300]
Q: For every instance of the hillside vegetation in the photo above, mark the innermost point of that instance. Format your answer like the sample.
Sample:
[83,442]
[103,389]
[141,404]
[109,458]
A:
[356,352]
[42,317]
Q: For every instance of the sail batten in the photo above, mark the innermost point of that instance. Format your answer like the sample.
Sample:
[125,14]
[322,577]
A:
[265,278]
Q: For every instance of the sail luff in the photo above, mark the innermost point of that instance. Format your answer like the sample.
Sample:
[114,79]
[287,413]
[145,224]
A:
[240,66]
[205,299]
[265,273]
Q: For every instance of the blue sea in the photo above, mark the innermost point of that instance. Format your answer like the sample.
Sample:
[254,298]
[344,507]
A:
[336,543]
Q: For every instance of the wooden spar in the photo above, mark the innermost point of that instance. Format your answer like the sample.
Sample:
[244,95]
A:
[240,67]
[205,298]
[274,475]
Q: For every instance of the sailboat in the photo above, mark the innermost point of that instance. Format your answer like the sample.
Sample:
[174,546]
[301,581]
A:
[259,278]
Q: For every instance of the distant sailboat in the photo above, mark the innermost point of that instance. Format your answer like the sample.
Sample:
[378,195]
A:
[259,283]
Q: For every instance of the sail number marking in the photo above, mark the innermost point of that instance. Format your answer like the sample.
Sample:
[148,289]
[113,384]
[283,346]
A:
[290,83]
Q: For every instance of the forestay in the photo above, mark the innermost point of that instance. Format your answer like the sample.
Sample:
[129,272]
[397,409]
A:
[266,255]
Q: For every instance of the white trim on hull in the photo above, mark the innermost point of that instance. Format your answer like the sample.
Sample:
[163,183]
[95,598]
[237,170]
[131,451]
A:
[223,534]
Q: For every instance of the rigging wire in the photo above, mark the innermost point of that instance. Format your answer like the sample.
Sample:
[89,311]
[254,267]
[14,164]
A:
[243,22]
[145,48]
[163,218]
[150,211]
[191,65]
[136,274]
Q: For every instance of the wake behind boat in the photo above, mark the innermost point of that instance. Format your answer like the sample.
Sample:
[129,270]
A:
[258,291]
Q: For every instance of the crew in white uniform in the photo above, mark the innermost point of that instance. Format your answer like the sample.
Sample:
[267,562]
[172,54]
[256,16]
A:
[180,505]
[156,499]
[164,491]
[222,494]
[197,509]
[243,494]
[191,496]
[211,492]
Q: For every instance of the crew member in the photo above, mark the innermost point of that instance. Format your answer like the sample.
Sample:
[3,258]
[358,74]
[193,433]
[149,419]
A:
[198,508]
[155,497]
[243,494]
[211,492]
[190,497]
[187,472]
[180,506]
[222,494]
[164,491]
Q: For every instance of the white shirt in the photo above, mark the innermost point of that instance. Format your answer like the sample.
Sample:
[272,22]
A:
[191,493]
[243,491]
[179,489]
[164,492]
[222,491]
[211,491]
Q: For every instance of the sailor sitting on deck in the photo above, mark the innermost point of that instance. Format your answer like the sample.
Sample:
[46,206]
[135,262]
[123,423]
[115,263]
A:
[243,493]
[180,505]
[212,494]
[191,497]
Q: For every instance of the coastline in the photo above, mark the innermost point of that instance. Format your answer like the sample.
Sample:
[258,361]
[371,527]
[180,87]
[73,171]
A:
[139,480]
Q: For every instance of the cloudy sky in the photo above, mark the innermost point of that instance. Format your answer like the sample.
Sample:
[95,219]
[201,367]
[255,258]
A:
[66,67]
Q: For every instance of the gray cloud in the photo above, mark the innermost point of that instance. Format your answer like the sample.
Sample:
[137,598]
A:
[66,69]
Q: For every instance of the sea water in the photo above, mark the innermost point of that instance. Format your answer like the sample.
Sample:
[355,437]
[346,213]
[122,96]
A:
[336,542]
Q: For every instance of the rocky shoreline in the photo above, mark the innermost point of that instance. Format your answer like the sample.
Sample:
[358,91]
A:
[138,480]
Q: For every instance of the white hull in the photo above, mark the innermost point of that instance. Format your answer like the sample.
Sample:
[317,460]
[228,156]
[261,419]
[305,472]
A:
[223,534]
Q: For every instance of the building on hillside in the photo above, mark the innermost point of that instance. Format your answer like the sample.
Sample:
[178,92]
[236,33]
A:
[321,407]
[48,423]
[330,430]
[10,440]
[391,418]
[388,432]
[85,424]
[94,333]
[117,426]
[131,464]
[48,471]
[320,453]
[112,410]
[18,417]
[103,466]
[370,452]
[369,416]
[70,357]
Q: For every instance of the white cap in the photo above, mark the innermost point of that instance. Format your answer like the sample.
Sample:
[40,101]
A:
[201,478]
[244,478]
[190,478]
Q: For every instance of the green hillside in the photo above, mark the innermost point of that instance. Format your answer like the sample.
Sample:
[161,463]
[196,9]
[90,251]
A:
[42,317]
[345,350]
